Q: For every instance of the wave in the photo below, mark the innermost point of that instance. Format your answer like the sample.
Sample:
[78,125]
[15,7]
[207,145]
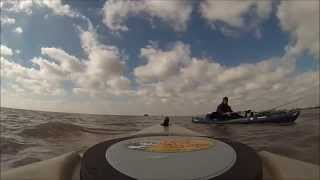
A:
[52,130]
[25,161]
[58,129]
[108,131]
[11,146]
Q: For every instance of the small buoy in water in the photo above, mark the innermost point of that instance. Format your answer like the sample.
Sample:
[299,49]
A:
[165,122]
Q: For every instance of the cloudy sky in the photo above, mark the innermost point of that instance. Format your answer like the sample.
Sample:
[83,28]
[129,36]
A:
[158,56]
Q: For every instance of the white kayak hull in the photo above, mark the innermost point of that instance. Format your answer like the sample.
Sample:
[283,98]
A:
[67,166]
[284,168]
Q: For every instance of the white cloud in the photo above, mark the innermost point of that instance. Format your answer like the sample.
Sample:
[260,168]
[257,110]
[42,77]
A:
[120,83]
[232,13]
[100,74]
[24,6]
[7,20]
[301,19]
[17,51]
[43,78]
[33,81]
[5,51]
[18,30]
[176,13]
[194,87]
[104,64]
[171,81]
[58,8]
[68,63]
[162,64]
[48,69]
[199,85]
[12,69]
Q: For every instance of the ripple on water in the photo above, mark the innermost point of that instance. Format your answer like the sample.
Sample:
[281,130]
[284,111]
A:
[55,133]
[24,161]
[11,146]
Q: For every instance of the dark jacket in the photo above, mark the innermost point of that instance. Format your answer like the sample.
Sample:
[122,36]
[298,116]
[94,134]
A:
[223,108]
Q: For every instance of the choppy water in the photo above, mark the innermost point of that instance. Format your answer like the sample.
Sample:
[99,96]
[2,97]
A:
[29,136]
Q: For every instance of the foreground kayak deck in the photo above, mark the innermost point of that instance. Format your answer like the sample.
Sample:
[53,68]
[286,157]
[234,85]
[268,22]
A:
[67,166]
[285,117]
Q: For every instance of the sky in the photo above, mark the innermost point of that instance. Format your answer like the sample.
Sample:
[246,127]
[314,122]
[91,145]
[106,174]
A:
[159,57]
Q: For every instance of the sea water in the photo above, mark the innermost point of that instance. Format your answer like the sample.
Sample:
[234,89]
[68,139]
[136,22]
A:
[30,136]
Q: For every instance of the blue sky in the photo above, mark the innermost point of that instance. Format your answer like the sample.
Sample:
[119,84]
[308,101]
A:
[60,31]
[150,54]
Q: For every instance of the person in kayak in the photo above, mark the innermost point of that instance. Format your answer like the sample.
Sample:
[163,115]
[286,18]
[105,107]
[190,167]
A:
[223,111]
[224,108]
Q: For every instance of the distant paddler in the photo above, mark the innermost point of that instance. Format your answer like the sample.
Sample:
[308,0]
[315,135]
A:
[224,111]
[166,122]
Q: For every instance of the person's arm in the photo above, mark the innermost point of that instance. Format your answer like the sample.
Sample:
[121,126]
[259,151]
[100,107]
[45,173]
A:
[230,109]
[219,110]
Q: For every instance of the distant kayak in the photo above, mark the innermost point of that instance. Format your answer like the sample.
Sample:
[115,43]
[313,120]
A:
[262,117]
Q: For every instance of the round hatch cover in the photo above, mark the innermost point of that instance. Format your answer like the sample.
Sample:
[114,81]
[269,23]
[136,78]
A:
[171,157]
[155,157]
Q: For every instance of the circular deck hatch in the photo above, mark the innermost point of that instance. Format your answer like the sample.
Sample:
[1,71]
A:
[159,157]
[171,157]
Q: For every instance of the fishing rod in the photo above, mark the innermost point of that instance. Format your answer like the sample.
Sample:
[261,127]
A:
[295,100]
[291,101]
